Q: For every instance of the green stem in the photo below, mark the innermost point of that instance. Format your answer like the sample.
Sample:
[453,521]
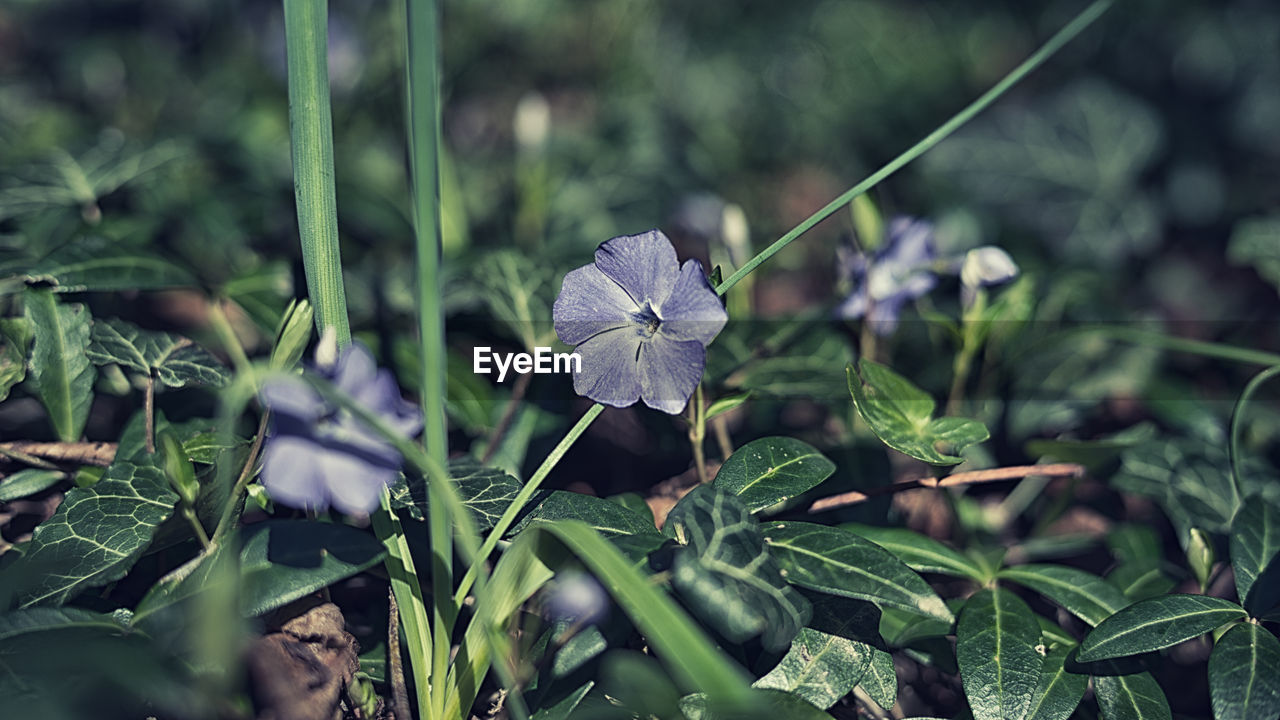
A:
[1193,347]
[1237,413]
[306,25]
[698,433]
[522,498]
[1055,43]
[246,473]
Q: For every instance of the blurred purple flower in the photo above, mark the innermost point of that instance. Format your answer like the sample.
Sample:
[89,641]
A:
[641,321]
[578,598]
[899,271]
[317,455]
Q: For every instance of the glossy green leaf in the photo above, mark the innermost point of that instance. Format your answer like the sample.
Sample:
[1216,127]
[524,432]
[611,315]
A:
[1059,692]
[1155,624]
[1083,594]
[205,446]
[62,374]
[486,492]
[772,470]
[1131,697]
[901,415]
[880,682]
[604,516]
[15,343]
[28,482]
[835,561]
[820,667]
[995,649]
[175,360]
[634,502]
[727,574]
[37,619]
[1255,546]
[726,403]
[283,560]
[918,552]
[95,536]
[1244,674]
[563,709]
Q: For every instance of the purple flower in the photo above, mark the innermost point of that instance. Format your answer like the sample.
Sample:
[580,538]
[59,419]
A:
[578,598]
[317,455]
[901,270]
[641,321]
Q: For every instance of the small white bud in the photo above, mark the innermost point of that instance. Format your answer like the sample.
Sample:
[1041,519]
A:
[327,349]
[532,122]
[987,265]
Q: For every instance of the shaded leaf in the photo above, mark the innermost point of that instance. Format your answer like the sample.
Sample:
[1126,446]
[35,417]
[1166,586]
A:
[1131,697]
[901,415]
[834,561]
[1155,624]
[820,667]
[1244,674]
[726,573]
[173,359]
[1059,692]
[772,470]
[1255,546]
[37,619]
[61,372]
[283,560]
[604,516]
[98,264]
[15,343]
[95,536]
[880,681]
[486,492]
[995,649]
[1083,594]
[28,482]
[760,704]
[918,552]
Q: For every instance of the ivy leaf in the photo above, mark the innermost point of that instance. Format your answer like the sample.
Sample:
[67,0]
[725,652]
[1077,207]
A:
[1255,546]
[95,536]
[1244,674]
[1155,624]
[901,415]
[283,560]
[918,552]
[726,573]
[834,561]
[1059,692]
[604,516]
[819,667]
[486,492]
[772,470]
[62,374]
[173,359]
[995,649]
[1083,594]
[1131,697]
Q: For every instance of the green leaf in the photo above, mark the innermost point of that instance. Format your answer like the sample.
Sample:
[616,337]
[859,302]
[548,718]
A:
[173,359]
[37,619]
[62,373]
[880,681]
[28,482]
[834,561]
[563,709]
[1083,594]
[1131,697]
[97,264]
[1059,692]
[15,343]
[820,667]
[1155,624]
[604,516]
[1255,242]
[283,560]
[634,502]
[486,492]
[995,648]
[918,552]
[1255,546]
[95,536]
[726,403]
[1244,674]
[760,704]
[205,446]
[772,470]
[901,415]
[726,573]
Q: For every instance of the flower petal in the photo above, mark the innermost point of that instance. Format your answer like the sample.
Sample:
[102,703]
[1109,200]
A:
[292,396]
[590,303]
[609,374]
[293,472]
[693,311]
[644,265]
[354,485]
[355,371]
[670,371]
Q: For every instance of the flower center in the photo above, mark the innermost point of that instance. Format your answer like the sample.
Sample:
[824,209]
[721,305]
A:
[648,320]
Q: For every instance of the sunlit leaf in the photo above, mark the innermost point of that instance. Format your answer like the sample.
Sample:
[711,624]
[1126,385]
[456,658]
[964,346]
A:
[772,470]
[901,415]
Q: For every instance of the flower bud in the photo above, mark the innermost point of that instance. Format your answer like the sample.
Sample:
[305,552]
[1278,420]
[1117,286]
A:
[987,265]
[293,335]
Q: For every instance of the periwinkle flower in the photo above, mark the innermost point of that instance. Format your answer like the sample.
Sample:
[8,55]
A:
[899,271]
[641,323]
[317,455]
[987,265]
[578,598]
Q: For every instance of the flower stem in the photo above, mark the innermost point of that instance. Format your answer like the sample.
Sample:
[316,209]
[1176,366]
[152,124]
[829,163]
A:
[306,24]
[149,414]
[1055,43]
[522,498]
[698,433]
[229,511]
[1233,449]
